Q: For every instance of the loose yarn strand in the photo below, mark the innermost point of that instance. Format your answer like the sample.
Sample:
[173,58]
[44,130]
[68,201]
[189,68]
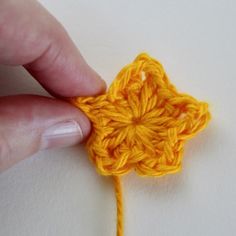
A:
[119,206]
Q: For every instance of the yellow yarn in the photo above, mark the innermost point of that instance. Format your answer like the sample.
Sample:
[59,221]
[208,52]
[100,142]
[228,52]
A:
[140,124]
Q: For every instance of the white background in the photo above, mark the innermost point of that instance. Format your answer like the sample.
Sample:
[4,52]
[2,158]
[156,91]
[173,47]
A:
[58,192]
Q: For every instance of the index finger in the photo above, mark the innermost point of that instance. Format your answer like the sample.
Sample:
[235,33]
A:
[31,37]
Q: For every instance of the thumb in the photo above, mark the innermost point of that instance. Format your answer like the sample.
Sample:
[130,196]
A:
[32,123]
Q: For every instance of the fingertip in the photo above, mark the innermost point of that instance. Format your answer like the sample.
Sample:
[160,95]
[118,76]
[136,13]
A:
[92,84]
[85,125]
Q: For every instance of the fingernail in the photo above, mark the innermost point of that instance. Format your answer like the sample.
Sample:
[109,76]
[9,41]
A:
[62,134]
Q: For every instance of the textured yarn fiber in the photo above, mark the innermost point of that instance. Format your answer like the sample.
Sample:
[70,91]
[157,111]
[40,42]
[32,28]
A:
[140,124]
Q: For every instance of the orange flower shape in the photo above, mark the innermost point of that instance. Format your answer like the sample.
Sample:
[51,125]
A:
[142,122]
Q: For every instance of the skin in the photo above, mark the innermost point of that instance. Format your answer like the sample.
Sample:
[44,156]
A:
[31,37]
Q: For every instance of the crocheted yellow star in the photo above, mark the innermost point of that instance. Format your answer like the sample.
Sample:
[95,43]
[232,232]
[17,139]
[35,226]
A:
[142,122]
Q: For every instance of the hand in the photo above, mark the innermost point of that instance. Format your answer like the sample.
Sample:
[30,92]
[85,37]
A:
[31,37]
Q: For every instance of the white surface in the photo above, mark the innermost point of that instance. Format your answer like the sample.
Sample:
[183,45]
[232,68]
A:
[59,193]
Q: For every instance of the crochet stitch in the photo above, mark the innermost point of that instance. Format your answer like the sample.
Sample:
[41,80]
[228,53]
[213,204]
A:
[140,124]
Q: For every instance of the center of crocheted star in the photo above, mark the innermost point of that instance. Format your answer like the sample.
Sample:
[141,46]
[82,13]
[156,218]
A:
[136,121]
[142,122]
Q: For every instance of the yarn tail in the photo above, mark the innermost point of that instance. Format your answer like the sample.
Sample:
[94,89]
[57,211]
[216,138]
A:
[119,204]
